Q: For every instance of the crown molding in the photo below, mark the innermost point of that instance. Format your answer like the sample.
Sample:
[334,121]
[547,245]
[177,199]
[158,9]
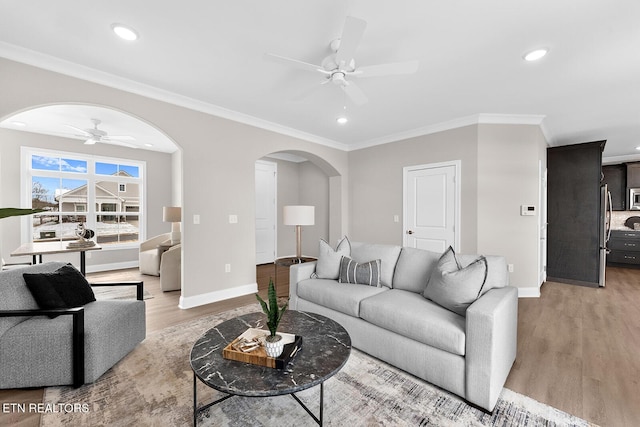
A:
[476,119]
[82,72]
[68,68]
[613,160]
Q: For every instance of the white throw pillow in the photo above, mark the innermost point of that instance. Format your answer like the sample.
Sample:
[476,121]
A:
[453,287]
[328,265]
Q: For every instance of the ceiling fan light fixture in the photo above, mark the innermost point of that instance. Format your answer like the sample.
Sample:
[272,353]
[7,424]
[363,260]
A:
[91,141]
[125,32]
[535,55]
[342,120]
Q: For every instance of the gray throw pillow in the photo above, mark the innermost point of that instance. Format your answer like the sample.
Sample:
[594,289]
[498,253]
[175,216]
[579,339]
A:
[453,287]
[328,265]
[365,273]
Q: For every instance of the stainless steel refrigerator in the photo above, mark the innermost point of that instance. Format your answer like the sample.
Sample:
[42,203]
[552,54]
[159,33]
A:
[605,229]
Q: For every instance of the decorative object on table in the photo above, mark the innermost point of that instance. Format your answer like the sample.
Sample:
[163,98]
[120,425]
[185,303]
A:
[298,216]
[173,214]
[632,222]
[249,348]
[273,343]
[84,237]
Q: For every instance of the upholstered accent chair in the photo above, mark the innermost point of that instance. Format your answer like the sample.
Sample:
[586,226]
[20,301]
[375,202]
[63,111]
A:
[171,268]
[150,255]
[62,346]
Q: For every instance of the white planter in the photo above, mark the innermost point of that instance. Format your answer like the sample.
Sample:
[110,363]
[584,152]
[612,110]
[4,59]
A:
[274,348]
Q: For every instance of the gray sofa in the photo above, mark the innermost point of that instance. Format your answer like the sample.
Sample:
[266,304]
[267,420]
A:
[76,347]
[470,356]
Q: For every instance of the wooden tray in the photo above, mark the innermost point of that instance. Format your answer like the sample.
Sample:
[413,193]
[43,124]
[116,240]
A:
[293,344]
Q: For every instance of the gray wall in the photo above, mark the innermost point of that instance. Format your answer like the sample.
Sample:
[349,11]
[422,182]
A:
[376,183]
[499,172]
[159,184]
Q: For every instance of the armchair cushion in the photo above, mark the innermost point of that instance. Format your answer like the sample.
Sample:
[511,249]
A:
[67,282]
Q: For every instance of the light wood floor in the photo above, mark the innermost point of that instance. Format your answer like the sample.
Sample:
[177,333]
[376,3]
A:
[578,348]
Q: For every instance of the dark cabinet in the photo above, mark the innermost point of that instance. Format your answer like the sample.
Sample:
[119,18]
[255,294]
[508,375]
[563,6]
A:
[615,176]
[624,246]
[633,175]
[574,217]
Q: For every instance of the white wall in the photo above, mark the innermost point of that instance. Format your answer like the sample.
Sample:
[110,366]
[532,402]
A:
[217,179]
[508,177]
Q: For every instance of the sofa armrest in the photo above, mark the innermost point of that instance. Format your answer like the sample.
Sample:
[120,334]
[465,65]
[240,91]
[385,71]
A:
[77,334]
[297,273]
[139,287]
[491,344]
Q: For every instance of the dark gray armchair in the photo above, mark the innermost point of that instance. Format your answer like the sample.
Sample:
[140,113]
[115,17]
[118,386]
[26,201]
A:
[75,347]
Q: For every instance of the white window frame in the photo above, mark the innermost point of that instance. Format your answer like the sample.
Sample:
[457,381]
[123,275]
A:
[92,178]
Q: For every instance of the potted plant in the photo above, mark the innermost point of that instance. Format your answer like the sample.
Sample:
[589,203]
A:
[273,343]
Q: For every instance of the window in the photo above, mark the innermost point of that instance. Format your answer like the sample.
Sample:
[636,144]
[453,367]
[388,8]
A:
[103,193]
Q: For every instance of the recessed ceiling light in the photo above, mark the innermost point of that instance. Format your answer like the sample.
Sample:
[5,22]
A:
[124,32]
[19,124]
[535,54]
[637,148]
[148,145]
[342,120]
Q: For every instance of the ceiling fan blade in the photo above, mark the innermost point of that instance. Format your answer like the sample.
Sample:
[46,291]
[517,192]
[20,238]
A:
[351,36]
[299,64]
[84,132]
[394,68]
[354,93]
[305,93]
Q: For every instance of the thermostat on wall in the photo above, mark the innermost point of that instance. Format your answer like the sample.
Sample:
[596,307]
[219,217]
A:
[527,210]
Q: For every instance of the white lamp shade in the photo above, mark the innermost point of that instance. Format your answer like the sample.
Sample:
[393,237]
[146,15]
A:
[171,214]
[298,215]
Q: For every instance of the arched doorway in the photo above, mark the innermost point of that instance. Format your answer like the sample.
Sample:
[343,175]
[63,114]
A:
[92,131]
[293,178]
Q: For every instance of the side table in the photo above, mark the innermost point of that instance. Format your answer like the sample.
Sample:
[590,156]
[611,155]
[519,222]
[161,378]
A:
[282,273]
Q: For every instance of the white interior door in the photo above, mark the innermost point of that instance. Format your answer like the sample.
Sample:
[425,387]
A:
[266,180]
[431,206]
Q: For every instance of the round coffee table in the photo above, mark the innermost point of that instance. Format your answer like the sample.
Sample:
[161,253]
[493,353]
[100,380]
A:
[326,346]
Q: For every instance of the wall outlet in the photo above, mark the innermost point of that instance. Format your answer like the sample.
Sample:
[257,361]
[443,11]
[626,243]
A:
[227,268]
[196,219]
[510,268]
[233,219]
[396,218]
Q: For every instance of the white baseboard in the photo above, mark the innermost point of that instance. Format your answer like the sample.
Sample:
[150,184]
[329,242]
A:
[112,266]
[529,292]
[208,298]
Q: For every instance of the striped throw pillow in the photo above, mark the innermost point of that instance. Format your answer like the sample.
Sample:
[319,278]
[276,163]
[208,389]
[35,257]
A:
[365,273]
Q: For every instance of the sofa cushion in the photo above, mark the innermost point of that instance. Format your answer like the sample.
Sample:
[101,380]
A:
[497,272]
[413,269]
[328,265]
[411,315]
[342,297]
[366,273]
[455,287]
[14,294]
[387,254]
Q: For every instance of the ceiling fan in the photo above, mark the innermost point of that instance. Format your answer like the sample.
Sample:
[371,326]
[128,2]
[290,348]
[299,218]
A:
[95,135]
[339,67]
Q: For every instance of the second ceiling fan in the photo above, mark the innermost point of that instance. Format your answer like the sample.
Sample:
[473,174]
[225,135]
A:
[339,67]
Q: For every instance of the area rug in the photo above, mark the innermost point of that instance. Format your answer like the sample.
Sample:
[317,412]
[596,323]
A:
[153,386]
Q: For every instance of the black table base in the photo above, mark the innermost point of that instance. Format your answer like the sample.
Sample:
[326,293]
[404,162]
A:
[197,410]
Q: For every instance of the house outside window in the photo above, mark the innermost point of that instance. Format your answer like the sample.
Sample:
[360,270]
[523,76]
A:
[105,194]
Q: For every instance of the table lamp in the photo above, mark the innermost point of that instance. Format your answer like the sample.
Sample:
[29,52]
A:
[299,216]
[173,214]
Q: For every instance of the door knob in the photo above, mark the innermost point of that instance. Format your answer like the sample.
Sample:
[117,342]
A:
[409,231]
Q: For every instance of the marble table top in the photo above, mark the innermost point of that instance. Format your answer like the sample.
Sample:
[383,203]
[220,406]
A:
[326,346]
